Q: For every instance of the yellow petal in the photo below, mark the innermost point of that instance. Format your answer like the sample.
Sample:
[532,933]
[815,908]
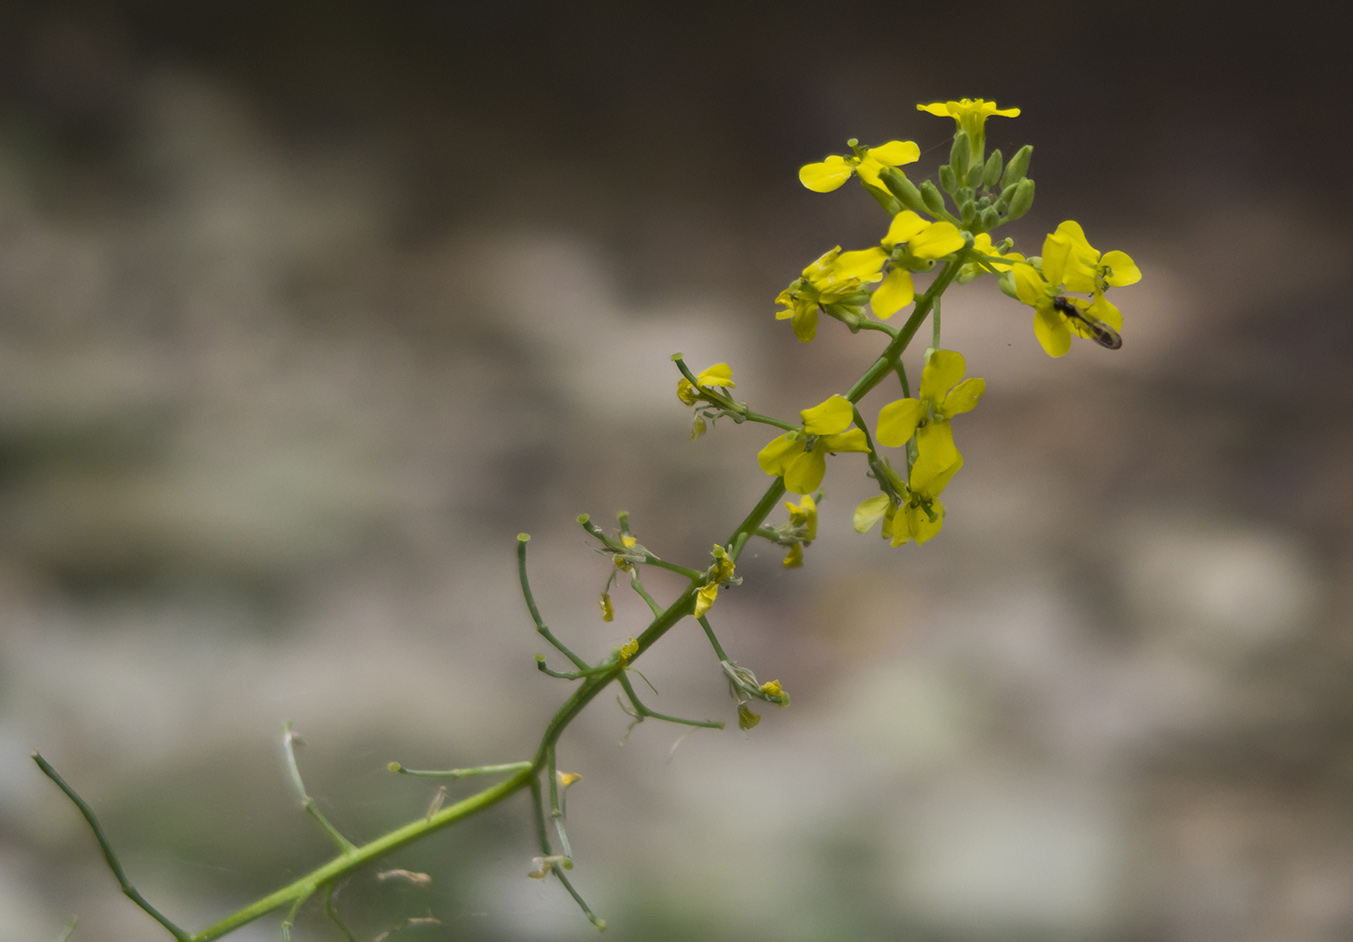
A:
[828,417]
[720,374]
[896,153]
[904,225]
[775,457]
[940,109]
[898,421]
[1051,330]
[794,557]
[805,471]
[825,176]
[942,371]
[1029,284]
[850,440]
[864,264]
[937,460]
[704,598]
[869,512]
[919,525]
[1122,270]
[963,397]
[895,293]
[937,240]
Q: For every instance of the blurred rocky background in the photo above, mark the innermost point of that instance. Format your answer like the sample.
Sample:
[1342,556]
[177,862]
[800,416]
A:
[307,309]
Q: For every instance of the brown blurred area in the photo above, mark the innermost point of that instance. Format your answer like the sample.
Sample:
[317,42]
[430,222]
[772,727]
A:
[306,311]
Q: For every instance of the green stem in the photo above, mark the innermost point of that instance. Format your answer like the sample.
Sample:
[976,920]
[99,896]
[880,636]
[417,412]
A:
[128,890]
[535,612]
[463,773]
[886,360]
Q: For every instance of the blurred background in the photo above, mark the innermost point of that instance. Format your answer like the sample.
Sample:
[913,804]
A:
[307,309]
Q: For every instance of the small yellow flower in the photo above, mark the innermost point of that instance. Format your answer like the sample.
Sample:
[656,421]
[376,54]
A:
[835,280]
[628,650]
[925,240]
[800,457]
[607,609]
[1071,263]
[944,394]
[720,374]
[803,520]
[971,115]
[746,718]
[772,689]
[565,779]
[830,174]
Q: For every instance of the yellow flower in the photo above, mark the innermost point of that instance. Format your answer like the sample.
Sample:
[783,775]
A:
[925,240]
[565,779]
[746,718]
[800,457]
[944,393]
[720,374]
[829,174]
[834,280]
[607,609]
[971,115]
[721,572]
[628,650]
[921,515]
[704,598]
[772,689]
[802,516]
[1071,263]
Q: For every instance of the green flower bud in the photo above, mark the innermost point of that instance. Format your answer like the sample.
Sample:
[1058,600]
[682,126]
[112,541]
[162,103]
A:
[1006,282]
[1008,193]
[960,154]
[903,189]
[934,201]
[992,172]
[947,178]
[1018,167]
[1022,200]
[967,213]
[990,218]
[885,199]
[975,174]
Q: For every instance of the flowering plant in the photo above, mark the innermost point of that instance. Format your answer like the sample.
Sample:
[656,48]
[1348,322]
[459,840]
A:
[937,229]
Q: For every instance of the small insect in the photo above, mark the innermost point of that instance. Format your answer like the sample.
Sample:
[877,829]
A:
[1103,334]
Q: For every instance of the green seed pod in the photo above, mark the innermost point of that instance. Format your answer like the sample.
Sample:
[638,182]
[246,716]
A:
[947,178]
[1022,200]
[933,199]
[1018,167]
[992,172]
[905,191]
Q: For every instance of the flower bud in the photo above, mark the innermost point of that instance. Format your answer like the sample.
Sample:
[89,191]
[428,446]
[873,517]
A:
[1018,167]
[990,219]
[1022,200]
[905,191]
[934,201]
[947,179]
[960,155]
[975,174]
[992,172]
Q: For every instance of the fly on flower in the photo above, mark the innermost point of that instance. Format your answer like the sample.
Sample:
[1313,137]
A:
[1100,332]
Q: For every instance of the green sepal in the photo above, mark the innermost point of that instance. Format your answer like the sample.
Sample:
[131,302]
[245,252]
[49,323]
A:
[1022,200]
[1018,168]
[904,190]
[931,196]
[992,173]
[947,179]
